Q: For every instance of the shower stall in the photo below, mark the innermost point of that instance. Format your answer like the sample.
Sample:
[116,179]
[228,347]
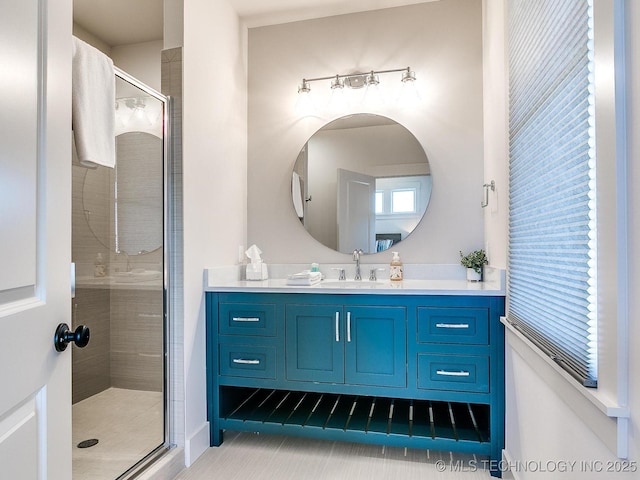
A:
[119,248]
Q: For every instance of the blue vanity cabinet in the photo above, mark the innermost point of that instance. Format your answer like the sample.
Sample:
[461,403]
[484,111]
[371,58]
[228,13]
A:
[313,348]
[376,346]
[416,371]
[356,345]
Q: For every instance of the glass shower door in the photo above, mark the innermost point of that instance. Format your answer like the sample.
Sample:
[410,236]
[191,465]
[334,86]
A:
[119,385]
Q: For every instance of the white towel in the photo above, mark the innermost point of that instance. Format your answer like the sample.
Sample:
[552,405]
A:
[93,105]
[296,194]
[306,277]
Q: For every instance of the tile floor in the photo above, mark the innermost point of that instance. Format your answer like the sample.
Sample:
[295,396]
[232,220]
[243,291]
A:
[254,456]
[127,423]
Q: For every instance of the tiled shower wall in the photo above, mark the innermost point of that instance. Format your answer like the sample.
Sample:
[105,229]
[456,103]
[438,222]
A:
[171,76]
[91,366]
[91,371]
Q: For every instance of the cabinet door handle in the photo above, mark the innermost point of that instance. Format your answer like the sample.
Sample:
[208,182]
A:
[452,325]
[337,326]
[246,319]
[348,326]
[244,361]
[449,373]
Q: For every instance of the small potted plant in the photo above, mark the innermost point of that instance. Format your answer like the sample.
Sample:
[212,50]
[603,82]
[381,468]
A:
[474,262]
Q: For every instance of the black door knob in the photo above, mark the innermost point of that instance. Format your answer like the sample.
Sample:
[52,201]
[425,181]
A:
[63,336]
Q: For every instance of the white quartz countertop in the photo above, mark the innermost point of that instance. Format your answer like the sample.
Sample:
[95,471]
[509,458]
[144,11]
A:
[494,285]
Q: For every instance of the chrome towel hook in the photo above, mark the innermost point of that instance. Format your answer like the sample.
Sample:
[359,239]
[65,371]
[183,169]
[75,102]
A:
[487,186]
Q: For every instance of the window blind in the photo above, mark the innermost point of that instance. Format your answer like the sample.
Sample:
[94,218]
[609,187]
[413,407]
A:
[552,222]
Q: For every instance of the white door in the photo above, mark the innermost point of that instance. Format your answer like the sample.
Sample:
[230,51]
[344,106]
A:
[356,212]
[35,238]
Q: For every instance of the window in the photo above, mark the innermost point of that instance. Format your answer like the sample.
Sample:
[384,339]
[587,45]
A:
[379,202]
[402,196]
[403,201]
[552,224]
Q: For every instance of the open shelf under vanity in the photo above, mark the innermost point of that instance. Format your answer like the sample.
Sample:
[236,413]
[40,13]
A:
[378,420]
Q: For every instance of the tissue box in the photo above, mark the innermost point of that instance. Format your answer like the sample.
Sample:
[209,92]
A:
[257,271]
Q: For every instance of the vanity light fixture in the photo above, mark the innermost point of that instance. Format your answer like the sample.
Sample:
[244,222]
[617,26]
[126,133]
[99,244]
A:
[357,80]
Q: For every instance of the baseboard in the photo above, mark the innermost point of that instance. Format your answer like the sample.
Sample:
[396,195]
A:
[196,444]
[165,468]
[507,473]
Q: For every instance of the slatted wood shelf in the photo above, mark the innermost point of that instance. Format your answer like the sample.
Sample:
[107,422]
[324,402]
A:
[378,420]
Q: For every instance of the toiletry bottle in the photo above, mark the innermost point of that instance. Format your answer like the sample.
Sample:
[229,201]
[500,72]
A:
[100,269]
[395,268]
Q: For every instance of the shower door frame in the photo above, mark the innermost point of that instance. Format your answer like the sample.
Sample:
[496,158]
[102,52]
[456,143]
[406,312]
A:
[167,146]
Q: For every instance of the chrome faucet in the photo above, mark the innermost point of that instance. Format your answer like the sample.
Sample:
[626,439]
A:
[356,258]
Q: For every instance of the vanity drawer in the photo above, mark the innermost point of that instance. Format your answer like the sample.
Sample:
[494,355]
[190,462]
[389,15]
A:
[248,361]
[462,325]
[453,372]
[247,319]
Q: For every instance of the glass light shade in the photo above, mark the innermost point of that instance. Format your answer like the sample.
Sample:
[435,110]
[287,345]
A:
[304,87]
[408,76]
[371,79]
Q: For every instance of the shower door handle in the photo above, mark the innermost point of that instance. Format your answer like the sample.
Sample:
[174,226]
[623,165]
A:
[64,336]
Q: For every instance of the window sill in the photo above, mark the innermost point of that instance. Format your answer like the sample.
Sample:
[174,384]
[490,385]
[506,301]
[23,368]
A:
[583,400]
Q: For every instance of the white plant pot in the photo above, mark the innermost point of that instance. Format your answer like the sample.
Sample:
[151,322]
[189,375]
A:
[473,276]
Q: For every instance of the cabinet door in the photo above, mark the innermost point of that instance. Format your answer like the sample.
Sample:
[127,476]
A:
[313,342]
[376,346]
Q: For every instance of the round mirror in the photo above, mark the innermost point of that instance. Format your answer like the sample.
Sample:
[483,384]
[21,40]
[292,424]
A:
[361,182]
[124,206]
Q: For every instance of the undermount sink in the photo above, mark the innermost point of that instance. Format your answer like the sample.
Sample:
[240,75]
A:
[351,284]
[137,275]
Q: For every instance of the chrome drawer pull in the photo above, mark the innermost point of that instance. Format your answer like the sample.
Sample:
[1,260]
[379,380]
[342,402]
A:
[337,326]
[348,326]
[246,319]
[452,325]
[244,361]
[448,373]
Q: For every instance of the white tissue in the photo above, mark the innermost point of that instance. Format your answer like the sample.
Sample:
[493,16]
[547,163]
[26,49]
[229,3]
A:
[254,254]
[256,270]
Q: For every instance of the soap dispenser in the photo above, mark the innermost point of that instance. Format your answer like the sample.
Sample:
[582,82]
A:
[396,273]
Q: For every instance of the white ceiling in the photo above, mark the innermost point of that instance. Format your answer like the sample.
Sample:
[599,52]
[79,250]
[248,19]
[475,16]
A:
[257,13]
[122,22]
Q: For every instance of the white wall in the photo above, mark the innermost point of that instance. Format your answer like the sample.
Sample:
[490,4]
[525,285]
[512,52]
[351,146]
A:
[142,60]
[214,150]
[91,39]
[542,421]
[173,32]
[442,42]
[496,121]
